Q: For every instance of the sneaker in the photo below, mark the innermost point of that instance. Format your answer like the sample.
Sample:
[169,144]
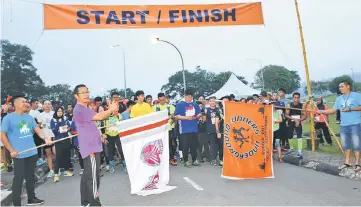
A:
[220,163]
[67,173]
[10,168]
[173,162]
[81,172]
[107,168]
[40,162]
[280,160]
[50,174]
[111,170]
[124,165]
[290,151]
[187,164]
[196,163]
[182,160]
[56,178]
[101,173]
[35,202]
[299,155]
[284,149]
[213,162]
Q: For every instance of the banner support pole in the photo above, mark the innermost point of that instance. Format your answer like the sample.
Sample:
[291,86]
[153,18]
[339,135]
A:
[309,89]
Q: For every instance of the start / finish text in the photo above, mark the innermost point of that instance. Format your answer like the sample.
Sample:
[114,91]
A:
[154,16]
[142,17]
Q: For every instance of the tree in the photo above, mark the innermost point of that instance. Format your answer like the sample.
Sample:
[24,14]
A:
[276,77]
[202,81]
[358,86]
[130,92]
[318,87]
[333,85]
[61,93]
[18,75]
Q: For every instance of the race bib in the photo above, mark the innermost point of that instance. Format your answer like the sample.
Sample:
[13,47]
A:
[213,120]
[46,126]
[296,117]
[63,129]
[317,118]
[190,111]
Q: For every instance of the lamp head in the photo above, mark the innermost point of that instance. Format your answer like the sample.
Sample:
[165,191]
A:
[155,39]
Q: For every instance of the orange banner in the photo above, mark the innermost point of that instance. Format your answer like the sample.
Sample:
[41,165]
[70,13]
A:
[248,138]
[150,16]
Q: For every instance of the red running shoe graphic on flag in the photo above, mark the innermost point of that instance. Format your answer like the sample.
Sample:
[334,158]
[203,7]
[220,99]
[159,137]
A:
[152,153]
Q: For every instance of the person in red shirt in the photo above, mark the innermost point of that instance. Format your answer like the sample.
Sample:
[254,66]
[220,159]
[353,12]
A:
[320,123]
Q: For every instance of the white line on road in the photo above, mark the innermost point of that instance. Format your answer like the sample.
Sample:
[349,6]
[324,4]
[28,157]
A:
[195,185]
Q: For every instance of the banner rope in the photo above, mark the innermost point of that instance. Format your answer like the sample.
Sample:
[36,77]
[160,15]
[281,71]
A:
[62,139]
[329,128]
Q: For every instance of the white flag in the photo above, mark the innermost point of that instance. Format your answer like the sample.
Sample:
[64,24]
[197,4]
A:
[146,151]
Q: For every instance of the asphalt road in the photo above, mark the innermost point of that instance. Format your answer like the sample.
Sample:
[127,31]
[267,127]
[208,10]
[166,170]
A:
[292,185]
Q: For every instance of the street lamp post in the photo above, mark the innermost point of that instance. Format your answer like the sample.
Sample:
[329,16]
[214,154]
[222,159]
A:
[156,39]
[353,80]
[124,70]
[260,63]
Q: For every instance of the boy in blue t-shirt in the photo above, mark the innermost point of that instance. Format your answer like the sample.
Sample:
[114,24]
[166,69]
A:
[187,113]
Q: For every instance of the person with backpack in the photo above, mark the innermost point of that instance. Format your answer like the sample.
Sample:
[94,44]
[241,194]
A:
[162,105]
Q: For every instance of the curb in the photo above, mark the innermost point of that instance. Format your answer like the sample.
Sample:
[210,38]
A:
[40,178]
[323,167]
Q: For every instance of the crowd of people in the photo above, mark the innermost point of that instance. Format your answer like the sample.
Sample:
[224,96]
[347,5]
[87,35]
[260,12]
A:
[195,127]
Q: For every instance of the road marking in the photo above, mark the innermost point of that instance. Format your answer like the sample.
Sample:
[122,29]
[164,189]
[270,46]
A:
[194,184]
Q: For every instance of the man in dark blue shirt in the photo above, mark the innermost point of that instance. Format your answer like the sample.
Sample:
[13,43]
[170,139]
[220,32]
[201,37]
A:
[187,112]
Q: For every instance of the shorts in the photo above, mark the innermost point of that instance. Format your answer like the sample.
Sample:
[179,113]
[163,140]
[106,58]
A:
[276,138]
[351,137]
[48,146]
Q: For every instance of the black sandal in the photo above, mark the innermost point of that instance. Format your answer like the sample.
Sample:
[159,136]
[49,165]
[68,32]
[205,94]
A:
[357,168]
[345,165]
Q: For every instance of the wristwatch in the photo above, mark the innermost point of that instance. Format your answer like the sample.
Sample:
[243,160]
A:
[349,109]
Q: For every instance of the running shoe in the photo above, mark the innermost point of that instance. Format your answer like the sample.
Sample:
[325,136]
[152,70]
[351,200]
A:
[50,174]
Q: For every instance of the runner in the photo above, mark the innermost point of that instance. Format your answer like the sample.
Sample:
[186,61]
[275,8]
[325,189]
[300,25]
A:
[114,144]
[17,135]
[203,138]
[44,122]
[90,144]
[277,117]
[140,108]
[172,137]
[212,116]
[295,119]
[283,130]
[188,113]
[126,113]
[60,126]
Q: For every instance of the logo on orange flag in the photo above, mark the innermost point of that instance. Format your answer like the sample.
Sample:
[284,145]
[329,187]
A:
[247,141]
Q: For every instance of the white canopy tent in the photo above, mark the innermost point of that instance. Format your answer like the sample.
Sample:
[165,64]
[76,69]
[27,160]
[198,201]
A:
[236,87]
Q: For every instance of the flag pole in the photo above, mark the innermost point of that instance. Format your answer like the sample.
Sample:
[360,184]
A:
[309,89]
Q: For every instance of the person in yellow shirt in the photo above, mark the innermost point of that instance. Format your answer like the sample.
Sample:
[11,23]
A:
[162,105]
[112,136]
[140,108]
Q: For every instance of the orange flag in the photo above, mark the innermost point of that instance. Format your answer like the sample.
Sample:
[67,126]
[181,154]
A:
[248,137]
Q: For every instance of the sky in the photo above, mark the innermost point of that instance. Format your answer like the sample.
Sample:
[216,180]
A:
[331,31]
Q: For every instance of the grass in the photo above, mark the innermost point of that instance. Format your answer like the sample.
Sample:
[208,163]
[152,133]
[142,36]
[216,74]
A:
[334,149]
